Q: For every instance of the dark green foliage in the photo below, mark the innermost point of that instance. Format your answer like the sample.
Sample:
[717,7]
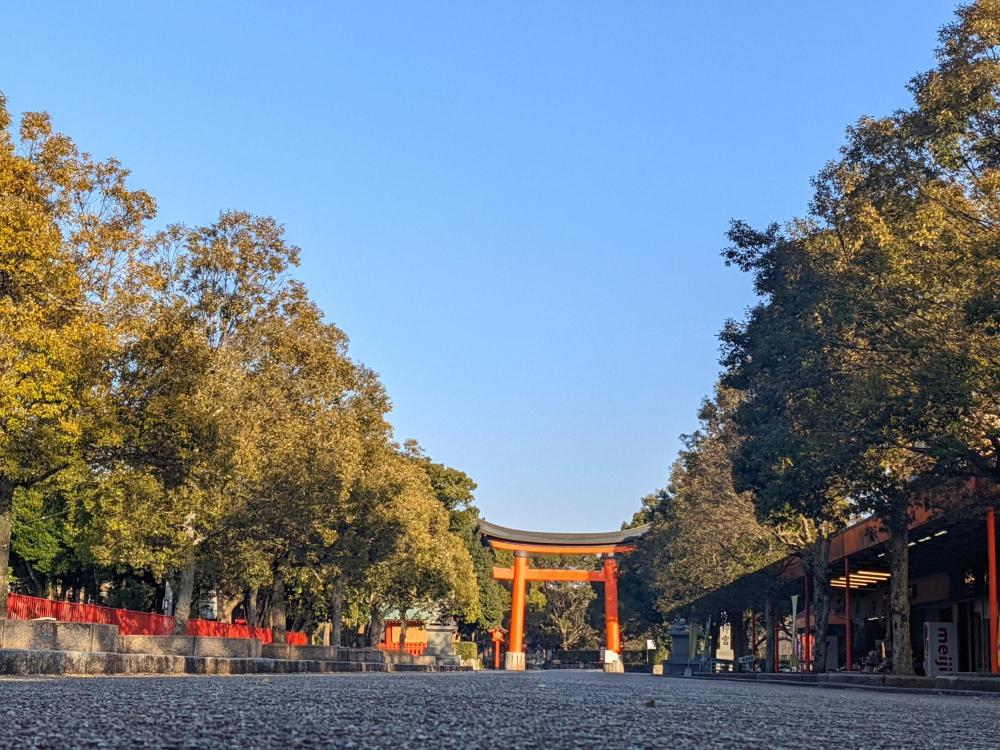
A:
[467,650]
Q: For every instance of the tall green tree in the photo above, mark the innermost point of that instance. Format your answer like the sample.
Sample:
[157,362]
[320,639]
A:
[891,399]
[62,217]
[705,533]
[456,492]
[792,414]
[187,456]
[420,563]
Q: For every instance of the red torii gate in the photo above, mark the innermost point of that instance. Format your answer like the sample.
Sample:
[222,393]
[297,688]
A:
[525,543]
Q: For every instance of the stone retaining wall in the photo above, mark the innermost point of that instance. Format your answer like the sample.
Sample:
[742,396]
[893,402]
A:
[26,662]
[49,635]
[190,645]
[36,647]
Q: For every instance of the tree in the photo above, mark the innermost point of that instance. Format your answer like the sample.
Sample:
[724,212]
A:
[173,407]
[903,238]
[890,400]
[455,490]
[565,614]
[559,613]
[188,457]
[792,414]
[704,534]
[45,334]
[419,563]
[305,406]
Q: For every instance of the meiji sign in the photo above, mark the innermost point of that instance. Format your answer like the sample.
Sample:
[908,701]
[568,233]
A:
[940,648]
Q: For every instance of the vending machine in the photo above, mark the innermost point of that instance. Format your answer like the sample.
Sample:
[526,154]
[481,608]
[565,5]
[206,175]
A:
[940,648]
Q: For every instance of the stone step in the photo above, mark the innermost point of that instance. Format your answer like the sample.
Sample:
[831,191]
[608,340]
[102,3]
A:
[958,683]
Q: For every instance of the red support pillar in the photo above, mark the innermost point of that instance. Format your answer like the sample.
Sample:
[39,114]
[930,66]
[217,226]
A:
[611,625]
[515,654]
[991,545]
[498,638]
[847,612]
[807,638]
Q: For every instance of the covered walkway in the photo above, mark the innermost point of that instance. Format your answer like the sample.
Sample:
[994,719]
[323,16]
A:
[951,592]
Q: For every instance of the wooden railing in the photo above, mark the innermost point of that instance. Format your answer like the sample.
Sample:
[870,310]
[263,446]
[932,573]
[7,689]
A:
[129,622]
[413,649]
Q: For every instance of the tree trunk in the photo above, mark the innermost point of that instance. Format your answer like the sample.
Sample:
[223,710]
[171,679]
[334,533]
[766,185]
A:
[770,635]
[819,591]
[251,607]
[337,613]
[182,609]
[403,627]
[6,505]
[821,614]
[226,607]
[376,626]
[264,608]
[899,598]
[278,617]
[36,582]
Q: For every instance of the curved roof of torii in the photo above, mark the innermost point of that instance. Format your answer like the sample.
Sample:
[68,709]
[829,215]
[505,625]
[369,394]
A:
[517,536]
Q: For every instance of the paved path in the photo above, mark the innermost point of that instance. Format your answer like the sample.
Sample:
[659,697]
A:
[534,710]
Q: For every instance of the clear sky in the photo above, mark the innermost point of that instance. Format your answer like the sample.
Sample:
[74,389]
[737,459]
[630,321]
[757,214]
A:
[515,209]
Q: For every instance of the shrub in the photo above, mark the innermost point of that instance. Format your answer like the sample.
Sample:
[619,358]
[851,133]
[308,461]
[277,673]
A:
[467,650]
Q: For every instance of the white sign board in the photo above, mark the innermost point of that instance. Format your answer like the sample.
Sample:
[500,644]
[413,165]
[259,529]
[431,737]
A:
[940,648]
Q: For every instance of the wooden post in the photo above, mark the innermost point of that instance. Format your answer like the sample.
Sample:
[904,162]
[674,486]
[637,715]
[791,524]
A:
[770,637]
[515,654]
[849,644]
[808,628]
[776,629]
[991,544]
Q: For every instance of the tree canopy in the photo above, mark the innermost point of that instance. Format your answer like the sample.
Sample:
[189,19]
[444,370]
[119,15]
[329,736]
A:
[177,415]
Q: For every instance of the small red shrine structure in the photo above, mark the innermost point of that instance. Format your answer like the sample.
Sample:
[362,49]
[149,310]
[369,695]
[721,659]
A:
[606,545]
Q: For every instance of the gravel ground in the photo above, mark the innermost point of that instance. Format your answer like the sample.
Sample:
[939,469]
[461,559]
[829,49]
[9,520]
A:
[560,709]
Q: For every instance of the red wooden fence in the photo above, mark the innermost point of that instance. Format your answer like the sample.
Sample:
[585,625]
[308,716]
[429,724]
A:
[21,607]
[414,649]
[130,622]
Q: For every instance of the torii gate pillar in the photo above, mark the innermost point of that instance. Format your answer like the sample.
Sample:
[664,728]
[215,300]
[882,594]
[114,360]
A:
[612,630]
[514,660]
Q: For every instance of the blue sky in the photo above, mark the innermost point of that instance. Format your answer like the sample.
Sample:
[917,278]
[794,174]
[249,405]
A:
[514,209]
